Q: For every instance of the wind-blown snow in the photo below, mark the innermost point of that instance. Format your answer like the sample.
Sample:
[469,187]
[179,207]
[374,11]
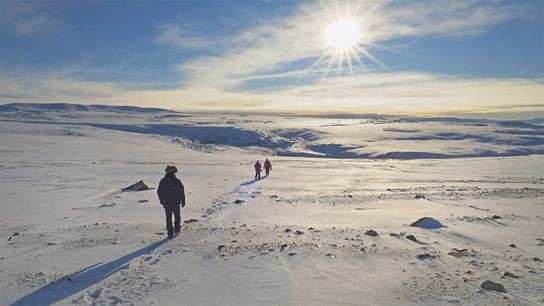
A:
[304,137]
[302,235]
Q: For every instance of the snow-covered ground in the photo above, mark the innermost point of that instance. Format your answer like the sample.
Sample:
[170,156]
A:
[331,225]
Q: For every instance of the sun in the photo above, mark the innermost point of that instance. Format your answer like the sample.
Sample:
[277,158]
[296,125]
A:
[346,35]
[343,34]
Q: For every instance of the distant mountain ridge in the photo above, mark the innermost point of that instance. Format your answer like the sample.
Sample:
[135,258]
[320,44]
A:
[13,107]
[32,111]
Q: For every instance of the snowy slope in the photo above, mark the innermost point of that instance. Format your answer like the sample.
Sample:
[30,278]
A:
[300,236]
[306,137]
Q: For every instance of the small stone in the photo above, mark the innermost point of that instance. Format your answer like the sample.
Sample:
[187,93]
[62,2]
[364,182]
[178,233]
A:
[292,254]
[457,254]
[138,186]
[512,275]
[489,285]
[424,256]
[51,243]
[287,230]
[428,223]
[190,221]
[330,255]
[495,217]
[513,246]
[372,233]
[15,234]
[299,233]
[219,248]
[239,201]
[411,237]
[419,196]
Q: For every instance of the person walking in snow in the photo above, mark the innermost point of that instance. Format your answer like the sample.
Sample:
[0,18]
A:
[267,166]
[258,169]
[171,195]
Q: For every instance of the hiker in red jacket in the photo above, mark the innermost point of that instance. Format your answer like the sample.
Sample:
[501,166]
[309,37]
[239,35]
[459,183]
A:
[258,169]
[267,166]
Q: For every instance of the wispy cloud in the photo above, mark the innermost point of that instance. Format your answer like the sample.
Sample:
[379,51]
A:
[175,36]
[281,65]
[29,18]
[275,46]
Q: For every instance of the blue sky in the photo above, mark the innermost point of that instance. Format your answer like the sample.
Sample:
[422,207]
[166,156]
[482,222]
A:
[467,58]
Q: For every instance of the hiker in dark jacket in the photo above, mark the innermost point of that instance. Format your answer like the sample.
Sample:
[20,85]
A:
[171,194]
[267,166]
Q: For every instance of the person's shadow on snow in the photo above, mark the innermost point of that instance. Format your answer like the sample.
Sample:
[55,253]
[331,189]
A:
[71,284]
[253,181]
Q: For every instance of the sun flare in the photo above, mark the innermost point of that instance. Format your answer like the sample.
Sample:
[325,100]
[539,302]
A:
[343,34]
[346,36]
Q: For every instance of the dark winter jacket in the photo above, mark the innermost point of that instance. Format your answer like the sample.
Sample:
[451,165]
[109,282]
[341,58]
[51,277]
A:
[171,191]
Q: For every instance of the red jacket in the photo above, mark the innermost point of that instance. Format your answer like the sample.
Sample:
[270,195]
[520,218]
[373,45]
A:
[258,167]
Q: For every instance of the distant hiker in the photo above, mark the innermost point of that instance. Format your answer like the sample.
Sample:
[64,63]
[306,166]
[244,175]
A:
[267,166]
[258,169]
[171,194]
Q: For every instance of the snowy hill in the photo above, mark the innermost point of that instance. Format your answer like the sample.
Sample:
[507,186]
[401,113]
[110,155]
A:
[316,231]
[302,136]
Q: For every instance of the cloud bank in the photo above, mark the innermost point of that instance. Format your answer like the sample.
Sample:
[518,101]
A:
[284,65]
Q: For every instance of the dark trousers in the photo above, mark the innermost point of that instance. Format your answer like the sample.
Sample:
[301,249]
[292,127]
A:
[177,219]
[258,175]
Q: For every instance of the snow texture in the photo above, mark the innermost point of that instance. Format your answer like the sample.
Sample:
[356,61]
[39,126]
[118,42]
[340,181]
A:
[70,235]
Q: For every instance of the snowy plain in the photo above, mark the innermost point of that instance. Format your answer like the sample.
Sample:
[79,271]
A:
[331,225]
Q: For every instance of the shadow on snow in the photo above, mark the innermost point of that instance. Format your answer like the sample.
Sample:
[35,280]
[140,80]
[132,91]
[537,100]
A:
[71,284]
[253,181]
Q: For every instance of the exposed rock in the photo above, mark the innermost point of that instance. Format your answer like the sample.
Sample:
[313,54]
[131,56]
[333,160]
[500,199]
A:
[239,201]
[428,223]
[489,285]
[513,246]
[425,256]
[139,186]
[495,217]
[457,254]
[330,255]
[288,230]
[299,233]
[190,221]
[512,275]
[292,254]
[411,237]
[419,196]
[372,233]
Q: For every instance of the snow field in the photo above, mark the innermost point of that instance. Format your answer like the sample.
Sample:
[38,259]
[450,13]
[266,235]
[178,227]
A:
[300,236]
